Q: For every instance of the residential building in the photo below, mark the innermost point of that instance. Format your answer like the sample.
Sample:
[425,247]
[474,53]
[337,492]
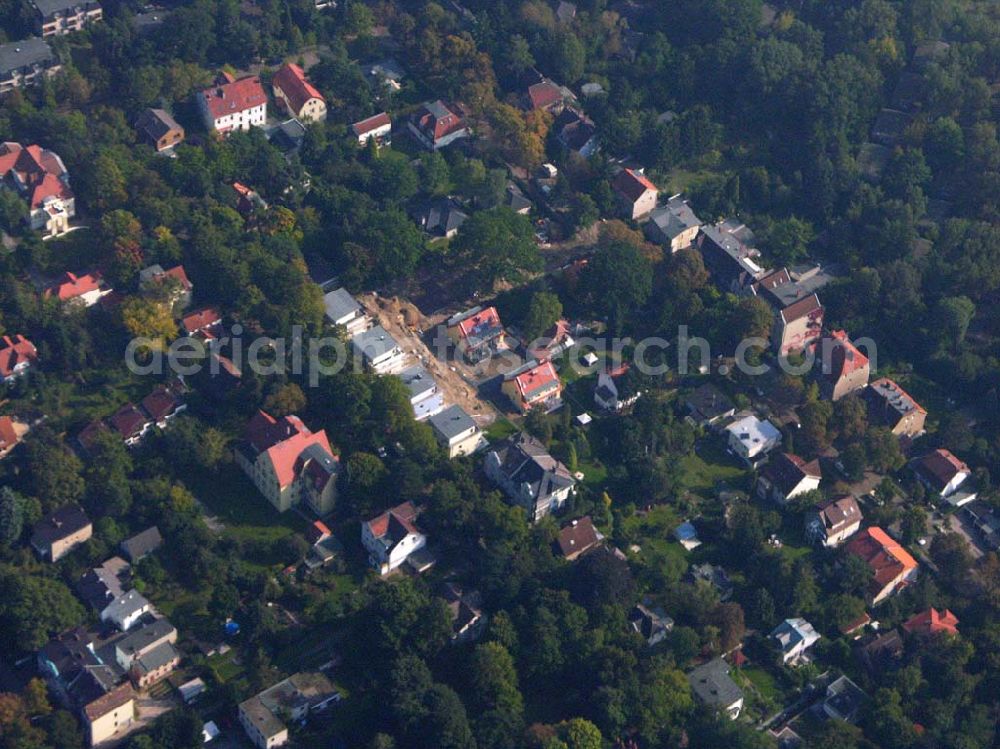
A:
[110,715]
[576,132]
[650,622]
[293,699]
[834,522]
[794,637]
[289,464]
[174,284]
[986,522]
[533,385]
[892,566]
[931,622]
[477,333]
[57,17]
[131,424]
[714,687]
[441,218]
[233,104]
[891,406]
[729,257]
[204,323]
[343,309]
[392,537]
[466,610]
[530,477]
[25,63]
[457,432]
[86,290]
[880,652]
[11,432]
[708,406]
[147,653]
[844,700]
[288,138]
[99,586]
[302,99]
[126,610]
[635,194]
[61,531]
[752,439]
[552,343]
[842,368]
[798,312]
[377,127]
[163,404]
[786,476]
[516,200]
[577,538]
[17,356]
[614,392]
[142,544]
[192,689]
[544,94]
[379,351]
[324,546]
[687,536]
[248,201]
[159,129]
[425,396]
[944,474]
[39,176]
[674,225]
[435,125]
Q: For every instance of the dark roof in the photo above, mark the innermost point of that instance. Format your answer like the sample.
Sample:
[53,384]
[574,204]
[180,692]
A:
[786,471]
[452,422]
[524,460]
[713,685]
[51,7]
[839,513]
[577,537]
[141,544]
[939,467]
[64,522]
[155,123]
[24,53]
[709,402]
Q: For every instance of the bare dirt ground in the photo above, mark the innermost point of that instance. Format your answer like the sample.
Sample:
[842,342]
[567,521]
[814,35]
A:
[407,325]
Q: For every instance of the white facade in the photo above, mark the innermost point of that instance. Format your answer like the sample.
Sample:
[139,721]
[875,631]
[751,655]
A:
[385,557]
[238,120]
[751,438]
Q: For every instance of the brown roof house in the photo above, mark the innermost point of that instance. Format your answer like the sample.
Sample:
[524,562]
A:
[157,128]
[798,312]
[635,194]
[834,522]
[842,368]
[891,406]
[435,125]
[392,537]
[786,476]
[466,609]
[944,474]
[577,538]
[57,534]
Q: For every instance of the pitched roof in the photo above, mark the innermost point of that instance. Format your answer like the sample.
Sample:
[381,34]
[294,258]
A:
[477,323]
[395,523]
[939,467]
[838,514]
[236,96]
[578,536]
[155,123]
[114,699]
[156,274]
[802,308]
[200,319]
[369,124]
[70,286]
[142,543]
[532,381]
[317,531]
[892,396]
[125,605]
[544,94]
[128,421]
[38,172]
[713,685]
[887,559]
[632,184]
[844,356]
[525,461]
[161,403]
[436,120]
[674,217]
[8,435]
[931,622]
[291,79]
[786,471]
[16,350]
[61,523]
[286,441]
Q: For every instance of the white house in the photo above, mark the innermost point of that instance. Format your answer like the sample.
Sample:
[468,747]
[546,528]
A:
[425,396]
[794,637]
[787,476]
[457,432]
[344,310]
[379,351]
[751,438]
[377,127]
[608,396]
[943,474]
[392,537]
[233,104]
[126,610]
[834,522]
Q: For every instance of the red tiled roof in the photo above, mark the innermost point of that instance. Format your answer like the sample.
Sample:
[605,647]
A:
[544,94]
[536,378]
[201,319]
[317,531]
[160,403]
[931,622]
[291,79]
[233,97]
[128,420]
[438,127]
[885,556]
[284,440]
[489,317]
[632,184]
[39,169]
[8,435]
[845,357]
[940,467]
[398,520]
[371,123]
[16,349]
[178,273]
[70,285]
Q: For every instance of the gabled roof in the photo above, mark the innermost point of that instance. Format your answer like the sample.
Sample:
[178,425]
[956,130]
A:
[395,524]
[893,397]
[477,323]
[65,521]
[38,173]
[236,96]
[544,94]
[161,403]
[14,351]
[155,123]
[939,467]
[124,606]
[534,379]
[317,531]
[674,217]
[156,274]
[577,537]
[931,622]
[793,633]
[802,308]
[887,559]
[287,442]
[200,319]
[291,79]
[525,461]
[70,286]
[436,120]
[713,685]
[143,543]
[128,421]
[838,514]
[370,124]
[632,185]
[113,700]
[786,471]
[844,356]
[8,434]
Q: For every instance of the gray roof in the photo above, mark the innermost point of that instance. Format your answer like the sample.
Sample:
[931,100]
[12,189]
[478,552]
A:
[437,109]
[143,543]
[51,7]
[712,684]
[340,305]
[156,123]
[452,422]
[125,605]
[374,343]
[59,524]
[24,53]
[674,217]
[158,657]
[262,718]
[418,380]
[138,639]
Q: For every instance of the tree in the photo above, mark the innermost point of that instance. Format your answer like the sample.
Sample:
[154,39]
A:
[36,698]
[619,280]
[148,318]
[34,609]
[493,679]
[913,524]
[581,734]
[517,55]
[788,240]
[544,311]
[953,315]
[54,471]
[728,617]
[11,516]
[499,245]
[950,552]
[285,401]
[568,57]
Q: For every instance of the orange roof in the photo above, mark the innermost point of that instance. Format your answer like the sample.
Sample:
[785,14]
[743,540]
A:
[884,555]
[284,440]
[15,350]
[399,520]
[201,319]
[70,285]
[845,357]
[8,435]
[932,621]
[537,377]
[632,184]
[291,79]
[489,318]
[39,170]
[233,97]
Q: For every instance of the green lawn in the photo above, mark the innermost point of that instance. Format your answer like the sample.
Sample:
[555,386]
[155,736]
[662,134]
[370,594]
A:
[500,429]
[709,465]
